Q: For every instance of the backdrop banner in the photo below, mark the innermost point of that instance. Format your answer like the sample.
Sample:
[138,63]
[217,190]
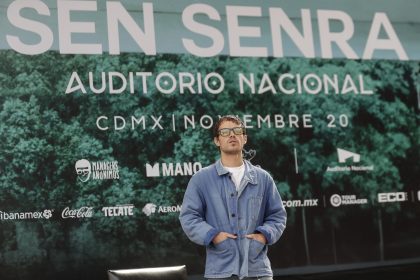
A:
[97,147]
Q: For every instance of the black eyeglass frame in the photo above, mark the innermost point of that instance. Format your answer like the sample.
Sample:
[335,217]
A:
[236,130]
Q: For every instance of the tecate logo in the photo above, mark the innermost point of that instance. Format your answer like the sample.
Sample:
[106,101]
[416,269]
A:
[119,210]
[82,212]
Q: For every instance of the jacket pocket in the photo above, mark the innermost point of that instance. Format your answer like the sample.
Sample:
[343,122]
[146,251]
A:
[220,257]
[254,207]
[257,256]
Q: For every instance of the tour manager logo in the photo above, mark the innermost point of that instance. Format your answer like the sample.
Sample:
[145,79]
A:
[337,200]
[348,161]
[172,169]
[96,170]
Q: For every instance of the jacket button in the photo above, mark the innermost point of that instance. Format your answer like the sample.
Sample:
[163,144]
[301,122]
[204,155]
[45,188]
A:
[232,194]
[233,215]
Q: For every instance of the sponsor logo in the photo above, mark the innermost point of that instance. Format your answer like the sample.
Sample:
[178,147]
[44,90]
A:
[300,203]
[83,169]
[345,157]
[338,200]
[172,169]
[392,197]
[151,208]
[46,214]
[96,170]
[82,212]
[118,210]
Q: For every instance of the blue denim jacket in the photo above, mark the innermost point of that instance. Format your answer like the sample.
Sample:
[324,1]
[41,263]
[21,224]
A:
[212,205]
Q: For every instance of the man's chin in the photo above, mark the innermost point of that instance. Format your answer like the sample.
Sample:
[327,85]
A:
[232,152]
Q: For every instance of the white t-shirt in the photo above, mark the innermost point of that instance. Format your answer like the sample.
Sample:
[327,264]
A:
[237,174]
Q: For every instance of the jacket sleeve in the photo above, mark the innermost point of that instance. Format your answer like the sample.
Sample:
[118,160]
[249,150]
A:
[275,215]
[192,216]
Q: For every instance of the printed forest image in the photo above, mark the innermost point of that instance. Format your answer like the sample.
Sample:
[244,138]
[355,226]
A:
[118,138]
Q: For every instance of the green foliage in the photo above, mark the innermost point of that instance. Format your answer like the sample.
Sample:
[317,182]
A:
[44,131]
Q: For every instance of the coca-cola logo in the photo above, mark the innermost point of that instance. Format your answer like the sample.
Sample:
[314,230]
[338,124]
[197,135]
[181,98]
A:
[82,212]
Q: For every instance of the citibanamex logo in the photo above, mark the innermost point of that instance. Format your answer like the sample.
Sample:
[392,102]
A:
[82,212]
[46,214]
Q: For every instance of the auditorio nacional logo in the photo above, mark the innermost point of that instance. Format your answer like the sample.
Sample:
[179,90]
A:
[96,170]
[172,169]
[349,161]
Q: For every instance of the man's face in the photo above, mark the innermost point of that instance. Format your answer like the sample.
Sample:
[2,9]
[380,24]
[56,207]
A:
[232,143]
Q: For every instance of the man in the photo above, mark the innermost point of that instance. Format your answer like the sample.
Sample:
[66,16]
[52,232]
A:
[234,209]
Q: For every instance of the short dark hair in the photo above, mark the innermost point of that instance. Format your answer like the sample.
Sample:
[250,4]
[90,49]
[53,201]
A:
[230,118]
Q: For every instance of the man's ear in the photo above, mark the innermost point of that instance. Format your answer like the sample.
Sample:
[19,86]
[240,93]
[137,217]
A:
[245,138]
[216,141]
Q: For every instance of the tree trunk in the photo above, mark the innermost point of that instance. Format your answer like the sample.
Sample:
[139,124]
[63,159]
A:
[305,237]
[381,236]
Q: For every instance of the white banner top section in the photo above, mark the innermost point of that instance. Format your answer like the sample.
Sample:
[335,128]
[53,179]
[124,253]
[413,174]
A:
[357,29]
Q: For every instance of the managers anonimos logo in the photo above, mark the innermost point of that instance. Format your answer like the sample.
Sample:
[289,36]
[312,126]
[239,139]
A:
[96,170]
[172,169]
[349,161]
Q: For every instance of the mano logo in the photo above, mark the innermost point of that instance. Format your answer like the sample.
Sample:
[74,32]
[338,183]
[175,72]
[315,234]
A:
[344,155]
[152,171]
[172,169]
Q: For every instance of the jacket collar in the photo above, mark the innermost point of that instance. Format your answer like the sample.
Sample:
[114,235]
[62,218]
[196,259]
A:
[250,173]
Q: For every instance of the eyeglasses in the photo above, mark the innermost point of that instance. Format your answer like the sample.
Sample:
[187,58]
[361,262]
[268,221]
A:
[236,130]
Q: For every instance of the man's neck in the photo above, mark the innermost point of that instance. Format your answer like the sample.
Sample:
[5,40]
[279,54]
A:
[232,160]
